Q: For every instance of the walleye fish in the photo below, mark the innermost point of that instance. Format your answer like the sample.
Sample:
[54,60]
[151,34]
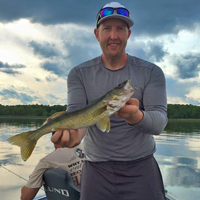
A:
[97,112]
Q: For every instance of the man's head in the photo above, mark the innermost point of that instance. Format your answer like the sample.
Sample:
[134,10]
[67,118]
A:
[113,30]
[114,10]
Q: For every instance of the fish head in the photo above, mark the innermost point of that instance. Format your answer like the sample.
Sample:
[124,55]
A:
[120,95]
[123,90]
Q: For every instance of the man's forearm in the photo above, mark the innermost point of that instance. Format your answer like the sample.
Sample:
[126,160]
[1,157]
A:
[28,193]
[153,122]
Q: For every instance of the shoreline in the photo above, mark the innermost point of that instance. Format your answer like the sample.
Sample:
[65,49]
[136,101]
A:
[45,117]
[22,117]
[184,119]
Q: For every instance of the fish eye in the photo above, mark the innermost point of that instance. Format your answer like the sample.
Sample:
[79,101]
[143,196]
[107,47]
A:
[120,86]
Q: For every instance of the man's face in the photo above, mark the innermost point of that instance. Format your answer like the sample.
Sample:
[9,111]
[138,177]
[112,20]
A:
[112,35]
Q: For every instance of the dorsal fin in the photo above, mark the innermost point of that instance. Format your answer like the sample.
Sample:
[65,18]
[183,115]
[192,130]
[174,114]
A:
[53,116]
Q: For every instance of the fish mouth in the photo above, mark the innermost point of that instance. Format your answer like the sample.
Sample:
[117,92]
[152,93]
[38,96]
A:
[132,90]
[111,105]
[128,86]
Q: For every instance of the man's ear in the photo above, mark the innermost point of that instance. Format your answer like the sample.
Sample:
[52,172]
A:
[129,33]
[96,33]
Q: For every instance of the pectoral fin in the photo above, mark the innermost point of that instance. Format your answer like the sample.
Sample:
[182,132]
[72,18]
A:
[104,124]
[53,116]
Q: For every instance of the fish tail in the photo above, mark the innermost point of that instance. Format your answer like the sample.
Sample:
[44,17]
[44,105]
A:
[26,141]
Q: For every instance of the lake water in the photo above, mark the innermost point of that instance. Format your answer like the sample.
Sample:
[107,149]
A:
[178,155]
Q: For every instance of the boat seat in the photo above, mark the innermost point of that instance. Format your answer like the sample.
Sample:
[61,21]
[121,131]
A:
[59,185]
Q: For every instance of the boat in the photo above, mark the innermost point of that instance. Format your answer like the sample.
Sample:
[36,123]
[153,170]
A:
[63,188]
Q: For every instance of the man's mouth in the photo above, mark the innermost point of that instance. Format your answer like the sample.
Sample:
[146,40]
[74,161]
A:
[113,44]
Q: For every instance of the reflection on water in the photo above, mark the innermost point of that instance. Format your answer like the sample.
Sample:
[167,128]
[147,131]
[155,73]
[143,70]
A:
[178,155]
[183,126]
[10,157]
[19,122]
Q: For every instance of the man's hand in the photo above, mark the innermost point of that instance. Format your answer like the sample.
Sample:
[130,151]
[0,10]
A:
[130,112]
[68,138]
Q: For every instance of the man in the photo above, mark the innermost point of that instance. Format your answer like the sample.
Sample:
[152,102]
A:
[119,164]
[56,159]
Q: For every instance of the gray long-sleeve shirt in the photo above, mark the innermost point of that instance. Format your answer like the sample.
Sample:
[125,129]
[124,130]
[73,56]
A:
[91,80]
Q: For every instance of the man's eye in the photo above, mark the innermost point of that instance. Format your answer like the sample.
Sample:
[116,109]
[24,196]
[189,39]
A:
[121,28]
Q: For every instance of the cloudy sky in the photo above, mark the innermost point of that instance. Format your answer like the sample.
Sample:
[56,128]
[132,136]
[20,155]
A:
[41,40]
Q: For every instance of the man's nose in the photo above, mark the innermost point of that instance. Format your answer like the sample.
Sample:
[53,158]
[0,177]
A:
[113,34]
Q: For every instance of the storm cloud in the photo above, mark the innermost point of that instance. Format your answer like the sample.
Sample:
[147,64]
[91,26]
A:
[152,51]
[50,79]
[11,69]
[155,51]
[188,66]
[58,68]
[23,97]
[45,49]
[150,17]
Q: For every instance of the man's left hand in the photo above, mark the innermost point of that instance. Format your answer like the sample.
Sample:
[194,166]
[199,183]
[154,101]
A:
[130,112]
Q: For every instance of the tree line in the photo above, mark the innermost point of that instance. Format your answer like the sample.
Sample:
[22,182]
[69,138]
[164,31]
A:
[30,110]
[177,111]
[174,111]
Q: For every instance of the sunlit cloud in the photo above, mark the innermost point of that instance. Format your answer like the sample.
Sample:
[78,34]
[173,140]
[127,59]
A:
[194,94]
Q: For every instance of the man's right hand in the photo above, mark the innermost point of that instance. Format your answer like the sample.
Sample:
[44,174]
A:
[68,138]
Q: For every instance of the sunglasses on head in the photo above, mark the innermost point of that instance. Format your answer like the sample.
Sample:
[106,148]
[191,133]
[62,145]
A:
[109,11]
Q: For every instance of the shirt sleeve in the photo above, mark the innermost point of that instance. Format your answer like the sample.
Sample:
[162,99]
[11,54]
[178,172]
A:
[155,104]
[35,179]
[76,98]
